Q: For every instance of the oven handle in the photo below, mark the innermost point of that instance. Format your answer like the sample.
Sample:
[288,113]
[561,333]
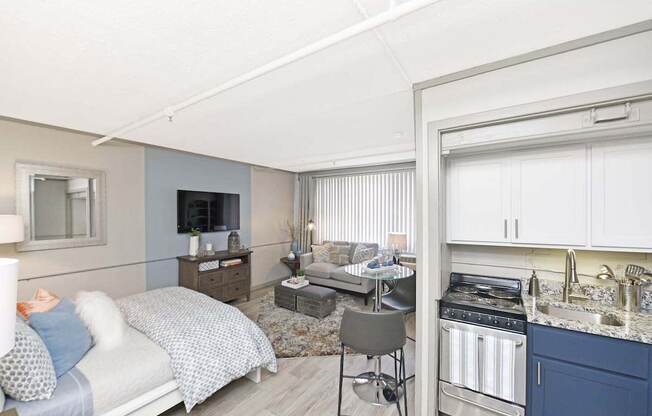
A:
[447,329]
[482,406]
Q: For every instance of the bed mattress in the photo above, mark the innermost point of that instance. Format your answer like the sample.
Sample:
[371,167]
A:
[111,377]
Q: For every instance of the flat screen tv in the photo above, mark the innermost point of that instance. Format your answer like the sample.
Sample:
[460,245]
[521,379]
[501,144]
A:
[207,211]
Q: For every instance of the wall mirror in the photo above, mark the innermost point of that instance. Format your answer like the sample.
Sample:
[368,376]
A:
[63,207]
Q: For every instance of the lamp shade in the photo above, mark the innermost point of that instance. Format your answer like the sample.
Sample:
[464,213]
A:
[397,241]
[11,229]
[8,283]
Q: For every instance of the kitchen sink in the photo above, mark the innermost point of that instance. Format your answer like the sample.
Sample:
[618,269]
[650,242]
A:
[582,316]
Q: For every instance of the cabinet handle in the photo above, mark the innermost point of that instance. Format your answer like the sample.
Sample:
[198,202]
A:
[505,228]
[538,373]
[516,228]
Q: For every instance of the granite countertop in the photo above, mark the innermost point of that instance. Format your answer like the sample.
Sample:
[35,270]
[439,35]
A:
[636,326]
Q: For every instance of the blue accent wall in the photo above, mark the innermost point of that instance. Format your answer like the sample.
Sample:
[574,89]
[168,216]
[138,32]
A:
[169,170]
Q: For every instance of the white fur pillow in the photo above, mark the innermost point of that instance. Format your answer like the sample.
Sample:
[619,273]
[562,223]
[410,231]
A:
[102,318]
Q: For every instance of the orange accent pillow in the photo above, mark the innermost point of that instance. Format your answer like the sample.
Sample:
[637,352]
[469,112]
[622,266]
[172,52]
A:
[42,301]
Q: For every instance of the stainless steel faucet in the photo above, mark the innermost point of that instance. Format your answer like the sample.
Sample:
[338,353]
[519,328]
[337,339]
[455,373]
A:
[570,277]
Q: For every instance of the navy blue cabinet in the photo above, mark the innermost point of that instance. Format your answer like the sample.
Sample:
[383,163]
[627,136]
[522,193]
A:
[577,374]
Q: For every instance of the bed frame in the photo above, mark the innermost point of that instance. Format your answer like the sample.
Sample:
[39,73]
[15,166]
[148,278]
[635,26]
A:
[162,398]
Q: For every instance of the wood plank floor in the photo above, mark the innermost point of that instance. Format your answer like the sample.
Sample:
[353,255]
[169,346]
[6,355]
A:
[303,386]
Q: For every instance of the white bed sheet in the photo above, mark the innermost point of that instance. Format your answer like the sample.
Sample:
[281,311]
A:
[126,372]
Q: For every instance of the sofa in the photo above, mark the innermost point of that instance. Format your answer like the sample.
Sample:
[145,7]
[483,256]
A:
[333,275]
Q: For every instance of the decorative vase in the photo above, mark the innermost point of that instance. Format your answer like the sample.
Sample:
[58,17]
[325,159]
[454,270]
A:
[234,242]
[291,256]
[294,246]
[194,245]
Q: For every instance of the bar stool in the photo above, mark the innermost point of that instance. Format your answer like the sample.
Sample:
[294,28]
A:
[375,334]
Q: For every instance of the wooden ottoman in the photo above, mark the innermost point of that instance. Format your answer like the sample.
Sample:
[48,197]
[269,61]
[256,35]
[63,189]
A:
[285,297]
[315,301]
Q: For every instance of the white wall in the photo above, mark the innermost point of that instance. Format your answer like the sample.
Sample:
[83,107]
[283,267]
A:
[610,64]
[124,167]
[272,204]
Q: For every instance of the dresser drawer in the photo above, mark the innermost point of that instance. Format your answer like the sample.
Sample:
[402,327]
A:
[237,273]
[208,280]
[215,292]
[237,289]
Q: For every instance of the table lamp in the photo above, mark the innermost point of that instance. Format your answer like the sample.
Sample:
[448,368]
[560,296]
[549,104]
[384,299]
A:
[398,242]
[11,231]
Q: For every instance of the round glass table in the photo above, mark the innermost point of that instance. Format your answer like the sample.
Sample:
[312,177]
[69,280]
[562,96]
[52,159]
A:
[375,386]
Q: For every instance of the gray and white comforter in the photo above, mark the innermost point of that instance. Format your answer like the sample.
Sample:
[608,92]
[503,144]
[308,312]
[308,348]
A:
[209,343]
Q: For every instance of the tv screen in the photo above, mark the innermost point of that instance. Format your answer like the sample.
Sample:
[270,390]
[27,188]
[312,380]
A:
[207,211]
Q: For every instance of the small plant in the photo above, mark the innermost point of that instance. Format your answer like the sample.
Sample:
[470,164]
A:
[301,273]
[194,232]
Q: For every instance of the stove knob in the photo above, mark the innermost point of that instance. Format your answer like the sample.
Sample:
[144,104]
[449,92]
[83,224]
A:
[451,314]
[463,316]
[496,322]
[508,324]
[479,318]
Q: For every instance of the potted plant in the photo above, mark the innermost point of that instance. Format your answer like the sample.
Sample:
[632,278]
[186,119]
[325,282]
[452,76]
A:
[301,275]
[194,241]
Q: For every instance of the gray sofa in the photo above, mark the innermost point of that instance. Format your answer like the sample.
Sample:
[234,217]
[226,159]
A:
[333,276]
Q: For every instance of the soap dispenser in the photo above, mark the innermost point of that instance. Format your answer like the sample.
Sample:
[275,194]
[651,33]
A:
[533,289]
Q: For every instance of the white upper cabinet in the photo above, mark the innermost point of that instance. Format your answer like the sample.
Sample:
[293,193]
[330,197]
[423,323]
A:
[549,197]
[621,205]
[478,199]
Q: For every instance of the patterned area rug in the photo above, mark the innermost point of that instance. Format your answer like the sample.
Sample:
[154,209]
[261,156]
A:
[296,335]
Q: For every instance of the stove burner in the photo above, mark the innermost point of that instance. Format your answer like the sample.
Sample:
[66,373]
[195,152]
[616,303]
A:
[464,297]
[502,294]
[465,289]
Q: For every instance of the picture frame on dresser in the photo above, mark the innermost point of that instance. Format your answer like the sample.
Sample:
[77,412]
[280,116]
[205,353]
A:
[206,275]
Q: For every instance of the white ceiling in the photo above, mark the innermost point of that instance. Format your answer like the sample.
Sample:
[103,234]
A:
[96,66]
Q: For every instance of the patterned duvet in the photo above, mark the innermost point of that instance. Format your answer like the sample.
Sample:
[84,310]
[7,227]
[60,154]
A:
[209,343]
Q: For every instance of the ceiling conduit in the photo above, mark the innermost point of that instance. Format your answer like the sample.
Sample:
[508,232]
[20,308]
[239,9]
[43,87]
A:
[372,23]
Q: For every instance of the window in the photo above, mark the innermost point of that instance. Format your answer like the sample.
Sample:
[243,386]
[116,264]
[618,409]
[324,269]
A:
[366,207]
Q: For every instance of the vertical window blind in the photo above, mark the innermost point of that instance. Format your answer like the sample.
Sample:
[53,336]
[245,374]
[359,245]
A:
[366,207]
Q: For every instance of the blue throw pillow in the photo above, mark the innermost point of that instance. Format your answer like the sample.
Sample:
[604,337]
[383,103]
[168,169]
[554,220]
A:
[64,335]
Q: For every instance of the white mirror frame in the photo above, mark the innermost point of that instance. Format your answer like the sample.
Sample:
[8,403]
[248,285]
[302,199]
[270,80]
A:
[24,170]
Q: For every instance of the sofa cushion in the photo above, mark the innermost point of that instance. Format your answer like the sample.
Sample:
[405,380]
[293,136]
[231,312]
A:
[322,270]
[321,253]
[354,246]
[339,255]
[342,276]
[362,253]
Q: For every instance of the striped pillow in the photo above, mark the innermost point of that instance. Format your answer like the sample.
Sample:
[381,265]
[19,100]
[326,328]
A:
[362,253]
[339,255]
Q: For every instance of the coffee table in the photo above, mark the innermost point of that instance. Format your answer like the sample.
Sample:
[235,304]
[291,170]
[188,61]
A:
[371,385]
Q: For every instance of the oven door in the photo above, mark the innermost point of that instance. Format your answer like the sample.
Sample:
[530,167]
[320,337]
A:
[520,364]
[457,401]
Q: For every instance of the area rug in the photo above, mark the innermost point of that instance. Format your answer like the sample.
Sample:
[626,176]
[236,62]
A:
[293,334]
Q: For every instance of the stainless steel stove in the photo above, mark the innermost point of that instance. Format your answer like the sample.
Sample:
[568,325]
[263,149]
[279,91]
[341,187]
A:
[493,302]
[486,307]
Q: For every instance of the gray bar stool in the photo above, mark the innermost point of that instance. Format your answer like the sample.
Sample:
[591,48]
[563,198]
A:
[375,334]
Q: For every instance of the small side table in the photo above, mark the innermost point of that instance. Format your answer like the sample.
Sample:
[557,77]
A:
[293,265]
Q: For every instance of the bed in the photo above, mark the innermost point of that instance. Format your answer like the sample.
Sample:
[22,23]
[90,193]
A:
[181,346]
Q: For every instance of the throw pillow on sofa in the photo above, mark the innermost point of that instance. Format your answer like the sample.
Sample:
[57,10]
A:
[321,253]
[339,255]
[27,372]
[64,335]
[362,253]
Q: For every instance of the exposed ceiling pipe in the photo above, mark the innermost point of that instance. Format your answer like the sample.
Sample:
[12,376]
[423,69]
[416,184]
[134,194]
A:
[357,29]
